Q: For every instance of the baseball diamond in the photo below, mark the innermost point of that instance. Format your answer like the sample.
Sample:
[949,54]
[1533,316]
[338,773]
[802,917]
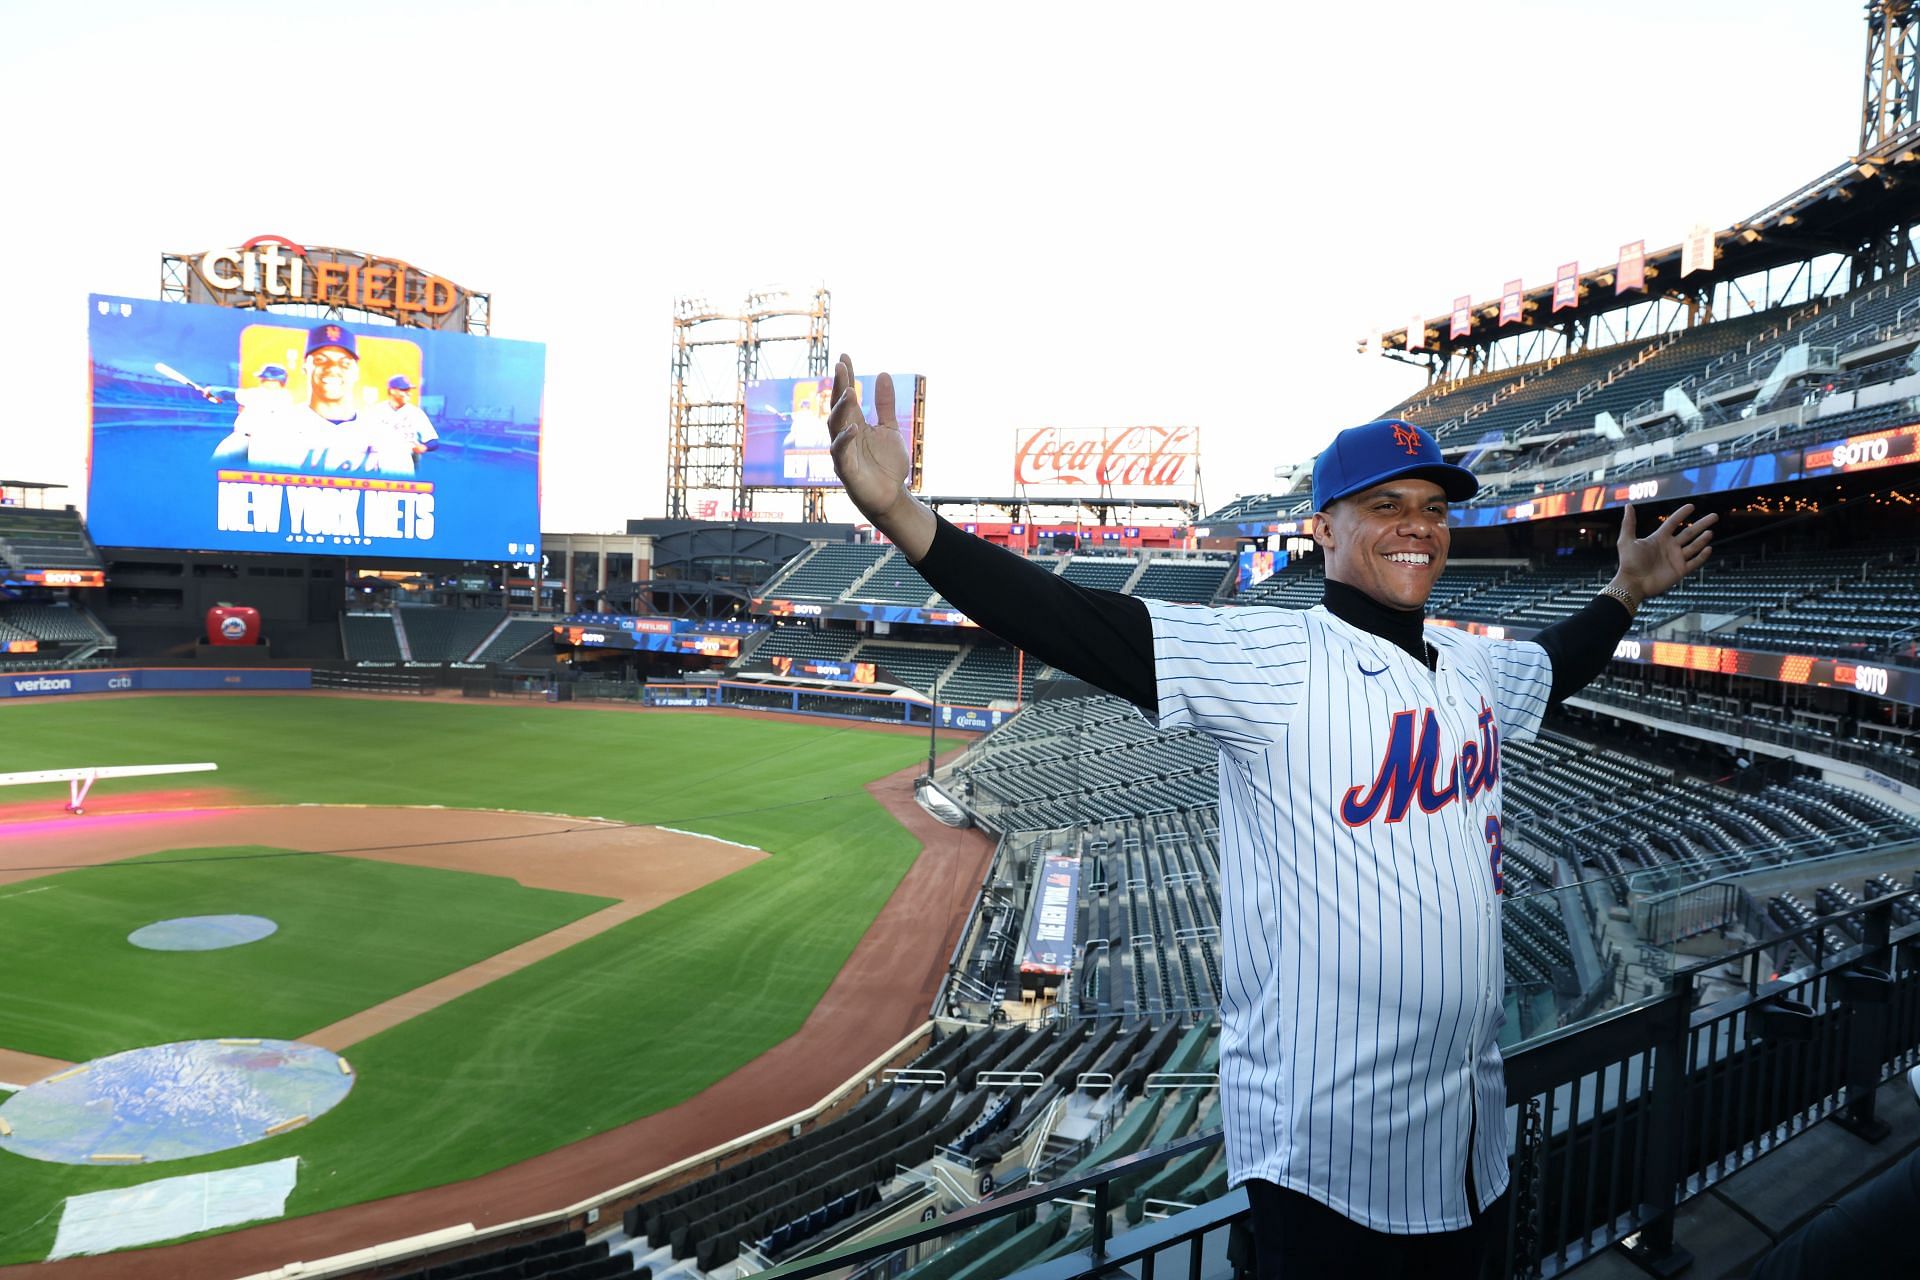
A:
[584,953]
[1076,751]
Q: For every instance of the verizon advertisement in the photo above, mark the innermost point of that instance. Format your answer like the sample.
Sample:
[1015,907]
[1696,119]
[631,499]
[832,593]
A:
[1105,459]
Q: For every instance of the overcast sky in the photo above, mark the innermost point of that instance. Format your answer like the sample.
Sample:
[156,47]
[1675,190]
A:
[1073,215]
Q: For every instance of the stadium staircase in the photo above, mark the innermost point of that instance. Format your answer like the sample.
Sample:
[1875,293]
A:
[435,634]
[514,639]
[974,1111]
[826,572]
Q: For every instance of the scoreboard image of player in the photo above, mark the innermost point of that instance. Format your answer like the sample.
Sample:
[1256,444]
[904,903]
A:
[230,429]
[787,445]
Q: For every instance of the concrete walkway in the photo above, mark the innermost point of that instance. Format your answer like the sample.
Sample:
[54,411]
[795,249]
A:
[1728,1227]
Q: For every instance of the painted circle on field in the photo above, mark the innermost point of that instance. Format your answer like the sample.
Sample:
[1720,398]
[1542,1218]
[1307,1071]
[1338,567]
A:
[171,1101]
[201,933]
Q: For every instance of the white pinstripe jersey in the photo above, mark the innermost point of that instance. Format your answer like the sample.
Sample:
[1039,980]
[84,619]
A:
[1362,979]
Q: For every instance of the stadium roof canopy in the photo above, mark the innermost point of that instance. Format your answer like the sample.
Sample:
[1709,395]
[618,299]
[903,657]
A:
[1848,210]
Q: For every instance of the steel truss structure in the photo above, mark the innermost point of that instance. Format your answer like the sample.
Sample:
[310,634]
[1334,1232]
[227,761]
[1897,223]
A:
[1888,101]
[1848,228]
[716,353]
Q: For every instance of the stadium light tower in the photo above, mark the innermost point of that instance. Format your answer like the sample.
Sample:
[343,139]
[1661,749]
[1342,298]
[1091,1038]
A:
[716,352]
[1888,102]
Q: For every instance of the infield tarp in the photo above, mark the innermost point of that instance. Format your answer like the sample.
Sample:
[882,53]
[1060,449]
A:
[167,1208]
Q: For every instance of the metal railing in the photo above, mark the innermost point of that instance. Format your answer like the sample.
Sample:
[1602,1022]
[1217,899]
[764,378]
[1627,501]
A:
[1617,1122]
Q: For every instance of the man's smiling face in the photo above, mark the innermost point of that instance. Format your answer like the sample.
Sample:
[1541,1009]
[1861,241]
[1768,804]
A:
[1389,541]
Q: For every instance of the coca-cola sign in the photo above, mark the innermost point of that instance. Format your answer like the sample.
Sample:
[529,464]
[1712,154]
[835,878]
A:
[1107,457]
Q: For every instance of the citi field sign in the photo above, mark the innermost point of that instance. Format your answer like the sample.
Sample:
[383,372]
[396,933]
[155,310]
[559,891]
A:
[269,269]
[1107,457]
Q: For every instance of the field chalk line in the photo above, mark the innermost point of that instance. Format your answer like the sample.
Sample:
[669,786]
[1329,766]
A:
[701,835]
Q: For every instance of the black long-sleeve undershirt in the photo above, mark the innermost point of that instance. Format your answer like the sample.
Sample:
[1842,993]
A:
[1106,638]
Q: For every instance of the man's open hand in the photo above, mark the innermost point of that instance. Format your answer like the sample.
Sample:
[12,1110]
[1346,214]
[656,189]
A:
[1675,549]
[872,462]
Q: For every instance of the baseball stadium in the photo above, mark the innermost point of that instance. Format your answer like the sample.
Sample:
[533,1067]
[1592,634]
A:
[395,887]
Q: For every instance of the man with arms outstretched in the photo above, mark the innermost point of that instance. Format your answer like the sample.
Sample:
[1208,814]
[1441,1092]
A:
[1360,838]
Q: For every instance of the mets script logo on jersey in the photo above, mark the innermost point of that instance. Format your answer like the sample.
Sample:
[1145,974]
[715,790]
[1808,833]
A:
[1407,438]
[1409,770]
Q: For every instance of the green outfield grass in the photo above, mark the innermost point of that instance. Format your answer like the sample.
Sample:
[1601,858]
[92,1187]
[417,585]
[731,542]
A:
[352,934]
[624,1024]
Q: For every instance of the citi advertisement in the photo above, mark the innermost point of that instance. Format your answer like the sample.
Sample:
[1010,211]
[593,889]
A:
[135,679]
[788,445]
[226,429]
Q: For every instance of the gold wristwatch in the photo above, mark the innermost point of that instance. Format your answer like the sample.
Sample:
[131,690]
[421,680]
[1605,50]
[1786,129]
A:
[1626,598]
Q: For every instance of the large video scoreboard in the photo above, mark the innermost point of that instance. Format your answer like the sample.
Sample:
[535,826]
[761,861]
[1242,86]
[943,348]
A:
[231,429]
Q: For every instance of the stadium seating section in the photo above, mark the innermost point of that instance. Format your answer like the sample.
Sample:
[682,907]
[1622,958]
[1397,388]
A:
[990,673]
[1854,357]
[447,635]
[893,581]
[1187,581]
[439,634]
[1108,573]
[61,624]
[370,637]
[44,538]
[826,573]
[967,1100]
[562,1257]
[1858,603]
[918,666]
[980,673]
[1088,776]
[515,639]
[802,641]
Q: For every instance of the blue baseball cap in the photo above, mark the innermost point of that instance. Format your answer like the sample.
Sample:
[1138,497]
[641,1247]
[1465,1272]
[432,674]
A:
[398,382]
[333,334]
[1364,456]
[271,373]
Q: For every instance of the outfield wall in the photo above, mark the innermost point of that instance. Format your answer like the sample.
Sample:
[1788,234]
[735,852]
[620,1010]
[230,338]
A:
[53,684]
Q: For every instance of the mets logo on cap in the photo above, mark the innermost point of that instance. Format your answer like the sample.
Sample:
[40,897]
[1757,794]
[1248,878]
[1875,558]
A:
[1376,452]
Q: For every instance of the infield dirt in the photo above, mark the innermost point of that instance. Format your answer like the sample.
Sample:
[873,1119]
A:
[642,866]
